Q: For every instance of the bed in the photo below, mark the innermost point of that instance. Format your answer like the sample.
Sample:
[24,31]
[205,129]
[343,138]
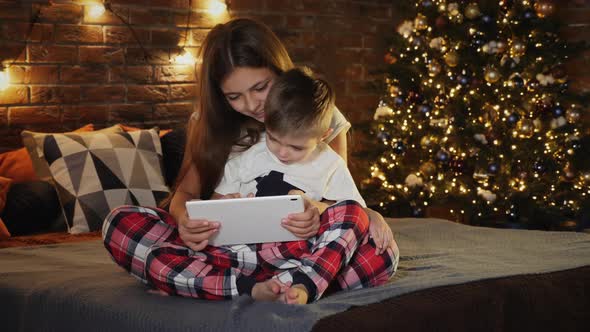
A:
[451,277]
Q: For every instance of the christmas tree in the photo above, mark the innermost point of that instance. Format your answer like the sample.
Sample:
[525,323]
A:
[477,116]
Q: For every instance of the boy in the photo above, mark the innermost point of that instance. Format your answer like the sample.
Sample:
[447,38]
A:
[291,158]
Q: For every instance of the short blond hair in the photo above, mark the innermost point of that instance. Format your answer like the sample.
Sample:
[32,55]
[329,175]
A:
[299,104]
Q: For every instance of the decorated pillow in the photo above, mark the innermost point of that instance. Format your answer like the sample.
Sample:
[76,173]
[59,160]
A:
[162,132]
[39,164]
[96,173]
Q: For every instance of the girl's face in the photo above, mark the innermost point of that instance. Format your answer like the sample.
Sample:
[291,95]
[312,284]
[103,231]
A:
[246,88]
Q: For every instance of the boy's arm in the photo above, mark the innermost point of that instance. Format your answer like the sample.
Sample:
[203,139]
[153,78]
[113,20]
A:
[230,182]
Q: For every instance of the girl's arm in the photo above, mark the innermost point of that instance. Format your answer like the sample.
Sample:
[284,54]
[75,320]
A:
[194,233]
[380,232]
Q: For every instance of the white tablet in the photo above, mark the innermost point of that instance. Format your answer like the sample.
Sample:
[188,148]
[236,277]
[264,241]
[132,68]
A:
[247,220]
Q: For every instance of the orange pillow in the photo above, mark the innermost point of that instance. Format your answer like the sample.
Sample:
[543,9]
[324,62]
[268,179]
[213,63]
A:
[4,186]
[130,128]
[17,165]
[4,233]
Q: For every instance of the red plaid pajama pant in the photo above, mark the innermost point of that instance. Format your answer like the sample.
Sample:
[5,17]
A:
[146,243]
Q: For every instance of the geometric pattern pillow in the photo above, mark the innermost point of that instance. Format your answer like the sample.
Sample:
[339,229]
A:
[39,165]
[95,173]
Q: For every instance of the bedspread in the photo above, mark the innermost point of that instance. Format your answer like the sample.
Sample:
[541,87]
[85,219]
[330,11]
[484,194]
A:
[75,286]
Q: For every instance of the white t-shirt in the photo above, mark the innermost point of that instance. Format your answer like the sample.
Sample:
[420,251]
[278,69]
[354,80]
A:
[323,175]
[338,123]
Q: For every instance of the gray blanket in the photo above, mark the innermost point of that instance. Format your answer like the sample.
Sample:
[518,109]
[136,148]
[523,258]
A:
[77,287]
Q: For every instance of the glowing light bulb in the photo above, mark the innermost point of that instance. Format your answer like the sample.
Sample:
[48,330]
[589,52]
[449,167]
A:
[185,58]
[4,79]
[96,9]
[217,8]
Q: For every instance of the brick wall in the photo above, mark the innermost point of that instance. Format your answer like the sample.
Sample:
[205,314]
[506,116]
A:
[71,69]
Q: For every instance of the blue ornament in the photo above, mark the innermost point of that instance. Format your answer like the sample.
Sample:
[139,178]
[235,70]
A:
[398,147]
[383,135]
[529,14]
[513,214]
[417,211]
[478,42]
[517,81]
[539,167]
[487,19]
[424,109]
[463,80]
[442,156]
[575,143]
[558,111]
[426,3]
[398,100]
[513,118]
[493,168]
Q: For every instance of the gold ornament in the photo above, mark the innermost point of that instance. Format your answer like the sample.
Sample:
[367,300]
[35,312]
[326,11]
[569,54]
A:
[428,168]
[569,174]
[490,114]
[586,177]
[393,91]
[452,59]
[428,141]
[501,46]
[544,8]
[525,128]
[420,22]
[434,68]
[492,75]
[573,115]
[472,11]
[517,48]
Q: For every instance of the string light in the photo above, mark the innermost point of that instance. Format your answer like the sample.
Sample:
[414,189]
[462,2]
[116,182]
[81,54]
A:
[96,10]
[4,79]
[217,8]
[186,58]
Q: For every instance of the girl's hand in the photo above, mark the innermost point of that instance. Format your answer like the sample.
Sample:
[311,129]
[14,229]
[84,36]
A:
[196,233]
[304,224]
[229,196]
[380,232]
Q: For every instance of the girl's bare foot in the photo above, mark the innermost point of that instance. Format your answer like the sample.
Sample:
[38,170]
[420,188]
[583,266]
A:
[157,292]
[269,290]
[296,294]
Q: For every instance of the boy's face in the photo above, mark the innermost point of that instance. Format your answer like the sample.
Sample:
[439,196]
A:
[291,149]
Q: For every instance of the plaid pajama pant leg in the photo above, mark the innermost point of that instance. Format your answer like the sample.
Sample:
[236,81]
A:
[128,232]
[316,262]
[367,269]
[145,242]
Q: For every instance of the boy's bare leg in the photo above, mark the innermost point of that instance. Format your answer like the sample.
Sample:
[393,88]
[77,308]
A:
[296,294]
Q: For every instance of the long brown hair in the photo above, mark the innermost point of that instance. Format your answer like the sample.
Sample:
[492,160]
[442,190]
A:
[218,127]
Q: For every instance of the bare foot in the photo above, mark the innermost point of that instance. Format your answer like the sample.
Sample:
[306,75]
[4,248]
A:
[296,294]
[157,292]
[269,290]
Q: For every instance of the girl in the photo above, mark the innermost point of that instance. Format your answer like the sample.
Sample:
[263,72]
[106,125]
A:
[240,60]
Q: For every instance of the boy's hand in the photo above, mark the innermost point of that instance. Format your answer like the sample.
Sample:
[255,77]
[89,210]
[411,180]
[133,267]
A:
[304,224]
